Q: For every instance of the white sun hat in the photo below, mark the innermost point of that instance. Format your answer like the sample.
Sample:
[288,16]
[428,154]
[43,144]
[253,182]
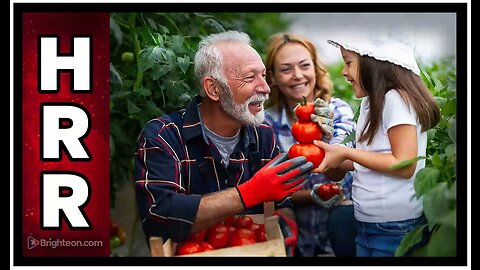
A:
[395,47]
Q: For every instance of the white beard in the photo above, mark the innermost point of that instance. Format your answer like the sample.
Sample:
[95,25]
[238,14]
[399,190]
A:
[241,111]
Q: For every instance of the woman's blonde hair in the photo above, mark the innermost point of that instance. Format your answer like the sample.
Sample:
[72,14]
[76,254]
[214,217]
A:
[323,84]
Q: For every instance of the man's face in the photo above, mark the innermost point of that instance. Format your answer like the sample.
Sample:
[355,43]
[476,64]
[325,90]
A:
[246,90]
[243,111]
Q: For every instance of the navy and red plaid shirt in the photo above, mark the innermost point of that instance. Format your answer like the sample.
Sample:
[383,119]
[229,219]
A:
[175,163]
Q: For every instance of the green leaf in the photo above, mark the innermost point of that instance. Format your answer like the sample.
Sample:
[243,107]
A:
[174,89]
[160,70]
[183,63]
[419,252]
[152,23]
[449,108]
[150,56]
[170,57]
[438,83]
[116,31]
[159,38]
[115,78]
[180,87]
[184,98]
[349,138]
[163,29]
[427,79]
[452,130]
[438,205]
[144,91]
[431,134]
[452,75]
[153,109]
[128,84]
[409,240]
[440,100]
[118,133]
[436,160]
[357,114]
[177,43]
[443,242]
[425,180]
[216,25]
[120,95]
[405,163]
[451,152]
[132,108]
[449,218]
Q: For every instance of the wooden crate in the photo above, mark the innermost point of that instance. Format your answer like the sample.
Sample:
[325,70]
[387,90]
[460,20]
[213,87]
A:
[273,247]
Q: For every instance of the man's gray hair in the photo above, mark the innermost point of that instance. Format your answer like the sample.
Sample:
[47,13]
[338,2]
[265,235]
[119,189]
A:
[208,59]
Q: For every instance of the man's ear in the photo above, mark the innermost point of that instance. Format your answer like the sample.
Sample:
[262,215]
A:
[211,88]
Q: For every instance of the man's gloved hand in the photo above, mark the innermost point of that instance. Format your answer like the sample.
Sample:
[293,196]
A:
[289,230]
[278,179]
[323,116]
[333,201]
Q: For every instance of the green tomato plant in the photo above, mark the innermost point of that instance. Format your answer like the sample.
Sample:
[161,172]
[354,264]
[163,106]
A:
[437,182]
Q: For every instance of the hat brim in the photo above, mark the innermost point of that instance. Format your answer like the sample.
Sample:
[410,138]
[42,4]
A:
[408,63]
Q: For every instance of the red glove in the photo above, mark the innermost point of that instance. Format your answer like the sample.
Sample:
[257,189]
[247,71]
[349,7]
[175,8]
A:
[289,230]
[276,180]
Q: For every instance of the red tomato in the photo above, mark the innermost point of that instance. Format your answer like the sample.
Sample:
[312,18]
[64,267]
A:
[188,248]
[231,228]
[244,232]
[327,191]
[206,246]
[260,234]
[197,236]
[122,234]
[218,236]
[312,152]
[306,132]
[243,222]
[254,226]
[304,110]
[240,238]
[229,220]
[114,228]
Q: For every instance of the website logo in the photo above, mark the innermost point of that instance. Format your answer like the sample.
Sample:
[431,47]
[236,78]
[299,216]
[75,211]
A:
[32,242]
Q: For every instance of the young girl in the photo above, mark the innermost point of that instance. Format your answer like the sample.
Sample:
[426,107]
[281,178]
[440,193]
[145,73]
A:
[396,111]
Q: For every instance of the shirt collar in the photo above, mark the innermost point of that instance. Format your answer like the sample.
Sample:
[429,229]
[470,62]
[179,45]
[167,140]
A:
[279,115]
[191,121]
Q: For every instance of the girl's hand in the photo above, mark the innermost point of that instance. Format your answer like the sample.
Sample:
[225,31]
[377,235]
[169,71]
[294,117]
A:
[334,156]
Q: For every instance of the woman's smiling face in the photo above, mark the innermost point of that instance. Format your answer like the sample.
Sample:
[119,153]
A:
[294,72]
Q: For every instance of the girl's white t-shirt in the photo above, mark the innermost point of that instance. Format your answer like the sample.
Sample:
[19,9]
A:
[380,197]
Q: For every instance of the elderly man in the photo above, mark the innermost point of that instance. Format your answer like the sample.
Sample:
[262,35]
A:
[209,161]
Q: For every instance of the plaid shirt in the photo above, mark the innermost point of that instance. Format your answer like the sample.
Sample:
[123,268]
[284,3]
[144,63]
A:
[167,169]
[312,220]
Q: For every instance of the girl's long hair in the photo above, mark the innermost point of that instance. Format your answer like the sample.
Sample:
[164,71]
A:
[323,84]
[379,77]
